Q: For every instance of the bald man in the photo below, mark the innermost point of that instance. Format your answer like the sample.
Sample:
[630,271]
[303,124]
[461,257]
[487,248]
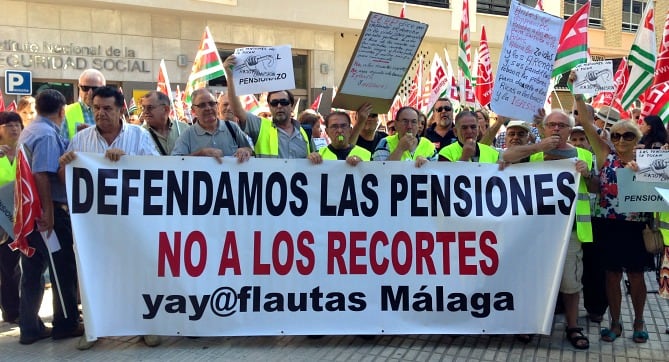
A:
[79,115]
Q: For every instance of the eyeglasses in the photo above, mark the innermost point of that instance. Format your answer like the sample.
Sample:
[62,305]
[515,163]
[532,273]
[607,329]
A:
[86,88]
[444,109]
[627,136]
[342,126]
[205,105]
[151,108]
[275,102]
[556,124]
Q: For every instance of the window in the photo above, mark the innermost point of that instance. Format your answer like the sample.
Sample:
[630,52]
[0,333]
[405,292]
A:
[499,7]
[436,3]
[632,12]
[571,6]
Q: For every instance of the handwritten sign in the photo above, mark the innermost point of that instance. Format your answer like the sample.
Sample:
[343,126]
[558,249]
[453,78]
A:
[653,165]
[526,62]
[263,69]
[594,77]
[380,61]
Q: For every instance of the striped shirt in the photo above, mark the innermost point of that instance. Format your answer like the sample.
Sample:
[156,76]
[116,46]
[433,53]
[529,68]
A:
[133,140]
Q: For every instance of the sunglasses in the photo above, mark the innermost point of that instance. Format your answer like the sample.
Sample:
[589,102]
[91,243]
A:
[275,102]
[627,136]
[444,109]
[86,88]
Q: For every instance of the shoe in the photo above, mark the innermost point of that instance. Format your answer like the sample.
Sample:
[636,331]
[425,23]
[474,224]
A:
[525,338]
[83,344]
[152,340]
[608,334]
[46,333]
[575,336]
[640,336]
[76,332]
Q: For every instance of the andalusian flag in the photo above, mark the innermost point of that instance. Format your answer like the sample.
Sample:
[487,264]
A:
[662,69]
[573,48]
[206,66]
[464,55]
[642,58]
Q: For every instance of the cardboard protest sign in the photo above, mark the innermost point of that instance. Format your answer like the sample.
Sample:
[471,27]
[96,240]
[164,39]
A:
[380,61]
[7,208]
[594,77]
[263,69]
[526,62]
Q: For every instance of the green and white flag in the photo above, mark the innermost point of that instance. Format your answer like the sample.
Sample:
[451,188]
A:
[642,58]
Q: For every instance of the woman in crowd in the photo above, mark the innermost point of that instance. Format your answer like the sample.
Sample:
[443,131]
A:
[26,109]
[619,233]
[654,133]
[10,129]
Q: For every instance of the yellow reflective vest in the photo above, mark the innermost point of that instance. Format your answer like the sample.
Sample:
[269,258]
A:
[583,225]
[425,148]
[355,151]
[267,145]
[453,152]
[74,115]
[663,226]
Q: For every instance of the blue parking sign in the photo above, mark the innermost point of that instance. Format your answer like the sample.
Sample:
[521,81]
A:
[18,82]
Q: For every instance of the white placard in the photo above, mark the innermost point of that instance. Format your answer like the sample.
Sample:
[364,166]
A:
[594,77]
[634,196]
[284,247]
[263,69]
[526,62]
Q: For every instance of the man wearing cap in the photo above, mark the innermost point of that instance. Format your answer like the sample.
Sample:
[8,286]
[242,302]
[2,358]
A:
[557,127]
[577,138]
[338,128]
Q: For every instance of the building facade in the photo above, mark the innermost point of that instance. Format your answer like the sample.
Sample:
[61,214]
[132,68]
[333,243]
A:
[126,39]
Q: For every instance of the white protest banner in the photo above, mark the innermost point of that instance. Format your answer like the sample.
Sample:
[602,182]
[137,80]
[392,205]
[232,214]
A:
[263,69]
[653,165]
[594,77]
[187,246]
[636,196]
[386,47]
[7,208]
[526,62]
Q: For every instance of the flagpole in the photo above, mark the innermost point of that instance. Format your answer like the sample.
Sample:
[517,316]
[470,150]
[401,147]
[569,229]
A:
[55,274]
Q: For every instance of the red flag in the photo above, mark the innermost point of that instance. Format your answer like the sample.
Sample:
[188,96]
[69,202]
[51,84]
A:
[12,107]
[250,103]
[27,207]
[125,104]
[2,103]
[317,102]
[484,79]
[662,68]
[657,102]
[540,5]
[403,11]
[394,107]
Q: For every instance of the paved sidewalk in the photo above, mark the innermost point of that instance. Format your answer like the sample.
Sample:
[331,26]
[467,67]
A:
[348,348]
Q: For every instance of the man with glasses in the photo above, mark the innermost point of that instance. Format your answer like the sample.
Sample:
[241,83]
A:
[156,116]
[403,145]
[211,136]
[279,137]
[557,127]
[440,131]
[338,128]
[79,115]
[466,148]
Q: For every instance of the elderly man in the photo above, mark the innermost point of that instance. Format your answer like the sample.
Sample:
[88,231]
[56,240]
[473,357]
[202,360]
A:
[441,131]
[114,138]
[211,136]
[403,145]
[557,127]
[44,145]
[156,115]
[338,128]
[279,137]
[466,148]
[79,115]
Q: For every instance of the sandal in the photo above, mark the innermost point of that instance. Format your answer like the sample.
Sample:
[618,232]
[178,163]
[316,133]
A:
[640,336]
[608,334]
[575,336]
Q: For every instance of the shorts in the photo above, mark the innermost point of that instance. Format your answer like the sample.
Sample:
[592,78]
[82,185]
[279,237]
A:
[573,267]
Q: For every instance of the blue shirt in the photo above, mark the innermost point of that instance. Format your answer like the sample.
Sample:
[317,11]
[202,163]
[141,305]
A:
[44,145]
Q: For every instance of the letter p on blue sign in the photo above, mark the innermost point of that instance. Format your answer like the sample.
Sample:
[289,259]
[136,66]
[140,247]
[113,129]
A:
[18,82]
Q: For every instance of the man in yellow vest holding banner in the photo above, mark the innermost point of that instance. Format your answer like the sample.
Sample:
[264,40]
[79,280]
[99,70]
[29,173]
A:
[404,145]
[557,127]
[466,148]
[338,128]
[279,137]
[79,115]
